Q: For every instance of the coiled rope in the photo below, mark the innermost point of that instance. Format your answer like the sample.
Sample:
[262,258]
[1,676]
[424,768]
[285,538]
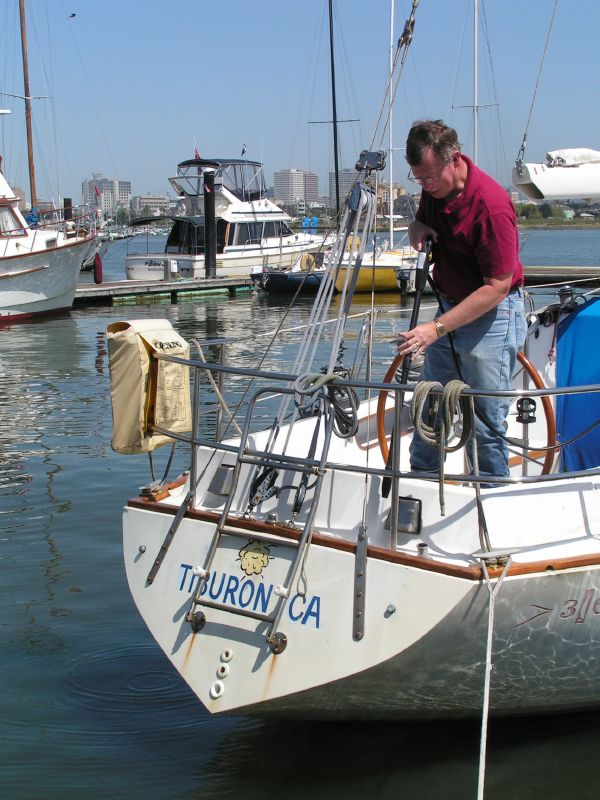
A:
[446,402]
[344,400]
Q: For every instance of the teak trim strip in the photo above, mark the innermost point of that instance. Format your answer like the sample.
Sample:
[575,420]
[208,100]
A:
[428,564]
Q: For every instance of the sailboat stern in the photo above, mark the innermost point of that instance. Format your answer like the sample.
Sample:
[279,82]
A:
[558,181]
[324,637]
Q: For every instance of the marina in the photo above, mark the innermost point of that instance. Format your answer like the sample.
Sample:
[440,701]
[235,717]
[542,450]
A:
[223,576]
[104,697]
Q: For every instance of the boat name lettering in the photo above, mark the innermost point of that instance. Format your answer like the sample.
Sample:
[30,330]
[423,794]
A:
[245,593]
[152,262]
[166,345]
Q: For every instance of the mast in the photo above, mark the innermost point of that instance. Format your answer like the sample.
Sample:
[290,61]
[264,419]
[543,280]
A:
[390,155]
[27,99]
[475,76]
[334,110]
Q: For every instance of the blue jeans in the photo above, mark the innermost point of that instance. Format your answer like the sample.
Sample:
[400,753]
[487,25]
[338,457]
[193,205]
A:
[487,351]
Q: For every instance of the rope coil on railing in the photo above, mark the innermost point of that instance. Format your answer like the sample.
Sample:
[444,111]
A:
[448,401]
[344,400]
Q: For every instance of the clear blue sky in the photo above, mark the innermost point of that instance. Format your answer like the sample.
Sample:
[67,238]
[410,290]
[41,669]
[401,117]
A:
[136,84]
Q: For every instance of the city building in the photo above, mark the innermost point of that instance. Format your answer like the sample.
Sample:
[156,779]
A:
[106,193]
[311,187]
[296,186]
[346,179]
[151,205]
[383,196]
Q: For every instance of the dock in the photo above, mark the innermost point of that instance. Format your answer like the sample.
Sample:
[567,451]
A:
[536,275]
[144,292]
[131,292]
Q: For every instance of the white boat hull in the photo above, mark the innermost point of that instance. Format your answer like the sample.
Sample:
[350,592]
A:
[541,181]
[42,281]
[423,649]
[170,266]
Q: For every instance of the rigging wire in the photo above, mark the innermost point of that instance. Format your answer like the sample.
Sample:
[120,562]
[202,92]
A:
[459,58]
[496,102]
[402,47]
[308,89]
[521,153]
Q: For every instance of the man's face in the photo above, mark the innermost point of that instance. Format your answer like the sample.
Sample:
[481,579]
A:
[438,179]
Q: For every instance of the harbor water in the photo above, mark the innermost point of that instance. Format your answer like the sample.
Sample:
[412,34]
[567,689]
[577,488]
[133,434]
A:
[91,708]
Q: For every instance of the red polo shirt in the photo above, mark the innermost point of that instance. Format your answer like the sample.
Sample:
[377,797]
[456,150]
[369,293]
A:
[478,235]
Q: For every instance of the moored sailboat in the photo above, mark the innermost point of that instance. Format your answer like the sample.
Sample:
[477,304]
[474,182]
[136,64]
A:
[39,266]
[565,174]
[40,261]
[280,577]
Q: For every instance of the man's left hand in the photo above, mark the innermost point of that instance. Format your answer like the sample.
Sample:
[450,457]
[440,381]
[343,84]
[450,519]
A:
[418,339]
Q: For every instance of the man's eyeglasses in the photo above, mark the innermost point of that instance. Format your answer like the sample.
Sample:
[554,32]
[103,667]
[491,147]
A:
[430,181]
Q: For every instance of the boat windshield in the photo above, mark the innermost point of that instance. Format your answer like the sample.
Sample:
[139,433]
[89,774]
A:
[244,179]
[9,224]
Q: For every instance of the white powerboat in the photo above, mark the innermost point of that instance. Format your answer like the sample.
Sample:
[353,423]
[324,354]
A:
[40,264]
[566,174]
[300,568]
[251,231]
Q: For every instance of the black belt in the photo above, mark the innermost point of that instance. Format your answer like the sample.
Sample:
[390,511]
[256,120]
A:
[454,302]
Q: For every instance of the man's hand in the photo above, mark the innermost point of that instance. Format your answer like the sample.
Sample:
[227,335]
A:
[418,232]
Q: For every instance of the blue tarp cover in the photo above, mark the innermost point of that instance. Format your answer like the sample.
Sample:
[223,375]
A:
[578,364]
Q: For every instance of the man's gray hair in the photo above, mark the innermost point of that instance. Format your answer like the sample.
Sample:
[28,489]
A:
[434,135]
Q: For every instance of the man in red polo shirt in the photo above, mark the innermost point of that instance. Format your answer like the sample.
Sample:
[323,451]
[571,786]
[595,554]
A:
[472,224]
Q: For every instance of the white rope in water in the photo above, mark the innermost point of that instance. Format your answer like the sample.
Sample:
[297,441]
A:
[493,590]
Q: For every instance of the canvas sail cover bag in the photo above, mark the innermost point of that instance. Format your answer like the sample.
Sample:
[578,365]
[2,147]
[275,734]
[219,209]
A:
[147,392]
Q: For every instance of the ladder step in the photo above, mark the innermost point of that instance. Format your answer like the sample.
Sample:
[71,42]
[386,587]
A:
[259,536]
[244,612]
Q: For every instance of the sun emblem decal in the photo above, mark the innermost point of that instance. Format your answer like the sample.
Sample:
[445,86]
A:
[255,557]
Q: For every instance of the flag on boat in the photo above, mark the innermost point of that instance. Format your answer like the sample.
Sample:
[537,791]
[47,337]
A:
[196,153]
[244,148]
[97,190]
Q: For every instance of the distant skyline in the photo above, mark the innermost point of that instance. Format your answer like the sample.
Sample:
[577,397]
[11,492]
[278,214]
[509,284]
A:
[135,87]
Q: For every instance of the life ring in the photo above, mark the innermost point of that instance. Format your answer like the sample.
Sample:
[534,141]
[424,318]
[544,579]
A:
[97,269]
[550,447]
[307,262]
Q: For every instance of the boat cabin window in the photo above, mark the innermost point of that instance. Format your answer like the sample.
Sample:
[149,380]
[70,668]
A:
[9,224]
[248,233]
[276,229]
[243,233]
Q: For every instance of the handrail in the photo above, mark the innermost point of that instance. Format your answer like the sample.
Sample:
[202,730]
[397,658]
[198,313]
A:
[256,456]
[24,230]
[379,385]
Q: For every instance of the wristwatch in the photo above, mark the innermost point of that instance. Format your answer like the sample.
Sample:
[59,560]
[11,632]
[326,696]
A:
[441,331]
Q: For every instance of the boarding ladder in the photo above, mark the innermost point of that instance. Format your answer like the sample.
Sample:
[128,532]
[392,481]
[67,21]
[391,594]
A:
[266,467]
[267,464]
